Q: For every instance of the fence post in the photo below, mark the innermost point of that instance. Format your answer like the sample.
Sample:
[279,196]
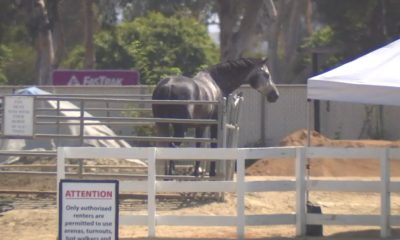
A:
[151,192]
[221,132]
[60,164]
[108,113]
[221,123]
[60,170]
[240,195]
[57,140]
[82,121]
[385,193]
[300,191]
[80,168]
[2,120]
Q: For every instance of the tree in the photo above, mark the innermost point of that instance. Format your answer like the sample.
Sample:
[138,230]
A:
[19,66]
[285,35]
[40,29]
[17,57]
[354,28]
[244,24]
[198,9]
[156,45]
[88,26]
[5,53]
[45,22]
[237,23]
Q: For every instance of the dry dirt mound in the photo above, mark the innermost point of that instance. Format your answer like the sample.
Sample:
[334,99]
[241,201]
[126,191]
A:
[332,167]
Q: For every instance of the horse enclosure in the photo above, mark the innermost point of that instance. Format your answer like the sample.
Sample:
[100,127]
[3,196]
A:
[301,185]
[104,120]
[128,115]
[261,123]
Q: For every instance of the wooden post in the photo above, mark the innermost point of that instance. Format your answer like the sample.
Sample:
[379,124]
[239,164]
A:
[221,123]
[57,140]
[385,193]
[151,192]
[300,191]
[60,164]
[240,195]
[222,131]
[80,168]
[82,122]
[60,171]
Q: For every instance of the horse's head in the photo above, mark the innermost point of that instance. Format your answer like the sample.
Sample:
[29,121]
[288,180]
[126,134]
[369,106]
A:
[260,79]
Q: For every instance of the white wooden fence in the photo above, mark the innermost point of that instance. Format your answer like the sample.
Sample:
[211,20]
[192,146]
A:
[300,219]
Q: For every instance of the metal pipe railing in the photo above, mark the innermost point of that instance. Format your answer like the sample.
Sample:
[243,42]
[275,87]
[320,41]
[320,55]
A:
[136,119]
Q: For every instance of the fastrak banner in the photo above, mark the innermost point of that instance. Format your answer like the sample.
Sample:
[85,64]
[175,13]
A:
[95,77]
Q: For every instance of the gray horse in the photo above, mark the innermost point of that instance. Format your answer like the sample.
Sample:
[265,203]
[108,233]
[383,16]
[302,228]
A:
[211,85]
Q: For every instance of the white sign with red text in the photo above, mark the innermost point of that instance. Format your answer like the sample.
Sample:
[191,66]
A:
[88,209]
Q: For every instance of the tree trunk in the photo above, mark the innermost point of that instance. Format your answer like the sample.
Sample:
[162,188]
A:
[247,27]
[89,62]
[238,21]
[292,37]
[309,19]
[274,33]
[43,43]
[284,38]
[227,16]
[57,31]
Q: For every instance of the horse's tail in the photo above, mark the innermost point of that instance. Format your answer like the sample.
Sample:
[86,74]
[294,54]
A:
[170,89]
[161,92]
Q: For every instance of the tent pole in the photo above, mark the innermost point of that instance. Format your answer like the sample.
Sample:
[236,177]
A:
[309,104]
[317,118]
[316,102]
[308,119]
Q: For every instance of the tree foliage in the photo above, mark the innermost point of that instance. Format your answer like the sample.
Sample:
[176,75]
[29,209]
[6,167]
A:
[171,41]
[285,34]
[199,9]
[355,27]
[17,58]
[155,45]
[19,67]
[5,54]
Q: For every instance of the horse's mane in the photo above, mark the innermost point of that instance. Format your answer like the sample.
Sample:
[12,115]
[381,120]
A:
[238,64]
[231,74]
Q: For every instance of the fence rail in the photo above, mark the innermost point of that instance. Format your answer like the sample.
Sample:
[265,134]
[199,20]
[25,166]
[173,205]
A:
[55,117]
[301,186]
[115,117]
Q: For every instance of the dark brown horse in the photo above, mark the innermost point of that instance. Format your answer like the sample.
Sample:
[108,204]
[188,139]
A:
[211,85]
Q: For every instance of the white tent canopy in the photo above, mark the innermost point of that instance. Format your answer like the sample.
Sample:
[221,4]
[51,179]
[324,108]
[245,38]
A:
[371,79]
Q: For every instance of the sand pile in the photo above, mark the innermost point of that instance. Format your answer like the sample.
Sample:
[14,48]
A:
[332,167]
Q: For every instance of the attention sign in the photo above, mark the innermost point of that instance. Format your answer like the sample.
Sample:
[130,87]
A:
[88,209]
[95,77]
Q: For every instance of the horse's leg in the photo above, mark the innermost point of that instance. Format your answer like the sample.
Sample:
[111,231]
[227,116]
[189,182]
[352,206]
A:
[213,134]
[179,131]
[199,134]
[163,131]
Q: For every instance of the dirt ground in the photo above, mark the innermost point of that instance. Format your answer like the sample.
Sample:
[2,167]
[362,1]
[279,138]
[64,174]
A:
[334,167]
[32,217]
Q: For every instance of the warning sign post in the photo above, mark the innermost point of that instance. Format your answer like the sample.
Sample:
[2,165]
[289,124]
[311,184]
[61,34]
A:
[88,209]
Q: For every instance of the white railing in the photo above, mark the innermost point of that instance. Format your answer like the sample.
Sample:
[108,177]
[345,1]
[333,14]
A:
[300,219]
